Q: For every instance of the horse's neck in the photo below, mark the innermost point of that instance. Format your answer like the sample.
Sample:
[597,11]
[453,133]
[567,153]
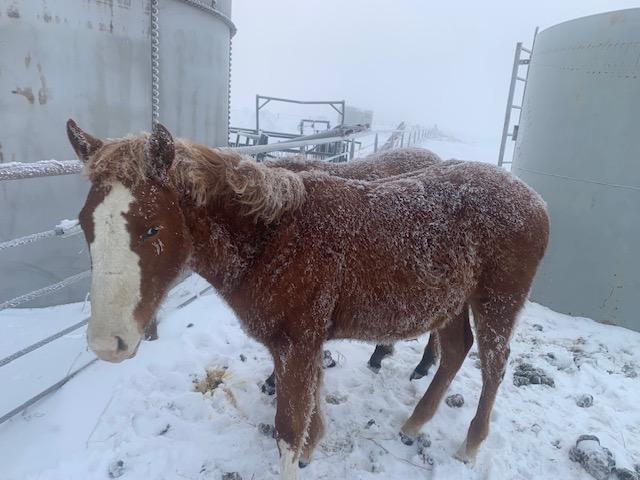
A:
[225,244]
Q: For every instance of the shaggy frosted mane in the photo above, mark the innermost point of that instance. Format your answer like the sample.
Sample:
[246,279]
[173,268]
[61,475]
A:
[208,174]
[204,175]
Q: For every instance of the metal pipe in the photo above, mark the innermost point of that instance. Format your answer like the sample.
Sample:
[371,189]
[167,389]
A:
[44,168]
[44,393]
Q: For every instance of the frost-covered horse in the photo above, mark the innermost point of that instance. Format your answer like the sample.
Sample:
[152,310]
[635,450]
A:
[377,166]
[306,257]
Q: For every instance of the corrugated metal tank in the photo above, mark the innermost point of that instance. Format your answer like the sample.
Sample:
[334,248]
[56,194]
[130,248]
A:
[579,146]
[91,60]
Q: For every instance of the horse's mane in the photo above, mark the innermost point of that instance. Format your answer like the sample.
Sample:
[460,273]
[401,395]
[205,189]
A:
[205,174]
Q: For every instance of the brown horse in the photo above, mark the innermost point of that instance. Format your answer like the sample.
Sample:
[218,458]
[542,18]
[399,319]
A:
[377,166]
[306,257]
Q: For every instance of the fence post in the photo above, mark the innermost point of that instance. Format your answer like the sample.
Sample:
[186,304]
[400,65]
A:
[375,143]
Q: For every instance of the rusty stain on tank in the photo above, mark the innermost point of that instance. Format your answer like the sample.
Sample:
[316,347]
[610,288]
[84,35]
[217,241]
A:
[13,12]
[43,92]
[26,93]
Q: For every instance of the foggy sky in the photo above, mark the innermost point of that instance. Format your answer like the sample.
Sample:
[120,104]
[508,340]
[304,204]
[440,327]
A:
[445,62]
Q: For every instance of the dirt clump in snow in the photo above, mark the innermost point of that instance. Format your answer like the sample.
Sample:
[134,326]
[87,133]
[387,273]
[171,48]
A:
[597,460]
[267,430]
[212,380]
[231,476]
[584,401]
[455,400]
[527,374]
[626,474]
[116,469]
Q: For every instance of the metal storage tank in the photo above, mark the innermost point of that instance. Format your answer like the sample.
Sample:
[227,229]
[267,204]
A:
[579,147]
[92,60]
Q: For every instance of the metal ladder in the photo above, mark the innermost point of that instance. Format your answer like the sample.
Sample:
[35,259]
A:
[518,61]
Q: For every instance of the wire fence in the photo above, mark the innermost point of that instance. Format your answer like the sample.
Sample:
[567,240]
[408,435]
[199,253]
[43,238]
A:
[67,229]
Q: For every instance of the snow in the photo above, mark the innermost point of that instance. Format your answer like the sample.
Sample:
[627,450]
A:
[143,418]
[146,413]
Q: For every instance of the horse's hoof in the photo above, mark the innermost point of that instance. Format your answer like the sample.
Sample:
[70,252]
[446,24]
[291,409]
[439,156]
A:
[268,389]
[374,368]
[463,456]
[406,439]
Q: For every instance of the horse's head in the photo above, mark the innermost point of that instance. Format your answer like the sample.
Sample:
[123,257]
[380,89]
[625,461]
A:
[136,234]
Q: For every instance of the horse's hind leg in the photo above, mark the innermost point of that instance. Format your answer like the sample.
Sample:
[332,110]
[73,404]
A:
[381,351]
[494,320]
[455,341]
[428,359]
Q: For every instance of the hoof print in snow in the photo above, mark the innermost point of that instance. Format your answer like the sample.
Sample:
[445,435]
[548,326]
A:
[166,428]
[455,401]
[243,358]
[406,439]
[335,399]
[625,474]
[423,441]
[527,374]
[190,325]
[231,476]
[370,423]
[537,327]
[116,469]
[584,401]
[598,461]
[629,370]
[267,430]
[327,360]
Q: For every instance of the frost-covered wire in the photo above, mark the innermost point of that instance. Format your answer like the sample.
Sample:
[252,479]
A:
[64,230]
[27,297]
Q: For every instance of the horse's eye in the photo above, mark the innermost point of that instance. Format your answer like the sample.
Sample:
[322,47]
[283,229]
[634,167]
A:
[150,233]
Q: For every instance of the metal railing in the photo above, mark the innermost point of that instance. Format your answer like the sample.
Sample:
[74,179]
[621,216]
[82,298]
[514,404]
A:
[66,229]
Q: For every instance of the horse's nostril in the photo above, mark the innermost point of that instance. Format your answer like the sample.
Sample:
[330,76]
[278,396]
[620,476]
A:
[122,346]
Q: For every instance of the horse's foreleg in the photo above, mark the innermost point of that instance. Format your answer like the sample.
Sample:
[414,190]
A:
[297,381]
[455,340]
[381,351]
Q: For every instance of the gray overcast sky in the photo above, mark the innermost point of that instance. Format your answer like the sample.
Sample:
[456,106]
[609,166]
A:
[445,62]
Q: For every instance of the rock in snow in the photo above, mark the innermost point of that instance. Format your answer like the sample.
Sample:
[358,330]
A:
[527,374]
[584,401]
[455,401]
[597,460]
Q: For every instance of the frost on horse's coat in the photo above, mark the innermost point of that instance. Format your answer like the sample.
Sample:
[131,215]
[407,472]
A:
[305,257]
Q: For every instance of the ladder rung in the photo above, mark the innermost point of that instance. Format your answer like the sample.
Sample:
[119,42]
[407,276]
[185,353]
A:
[524,61]
[524,49]
[509,134]
[521,79]
[518,107]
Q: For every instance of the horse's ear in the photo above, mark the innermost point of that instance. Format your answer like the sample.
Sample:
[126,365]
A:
[160,151]
[84,144]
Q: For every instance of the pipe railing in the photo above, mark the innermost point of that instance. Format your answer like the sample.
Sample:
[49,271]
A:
[66,229]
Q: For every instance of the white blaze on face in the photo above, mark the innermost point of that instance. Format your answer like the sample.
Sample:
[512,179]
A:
[115,278]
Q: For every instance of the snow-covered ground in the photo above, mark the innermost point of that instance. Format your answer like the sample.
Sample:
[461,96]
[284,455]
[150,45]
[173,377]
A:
[146,414]
[143,419]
